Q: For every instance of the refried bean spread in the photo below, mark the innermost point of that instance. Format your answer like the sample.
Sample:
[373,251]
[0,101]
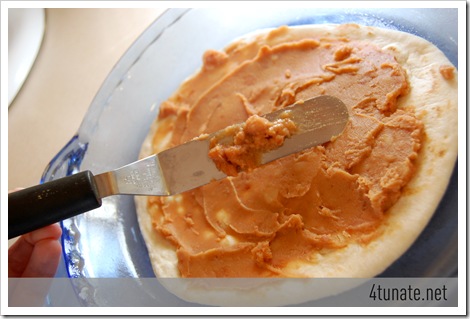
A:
[264,222]
[247,143]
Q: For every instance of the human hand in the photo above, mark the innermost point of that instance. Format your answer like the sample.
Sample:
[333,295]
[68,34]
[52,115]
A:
[35,254]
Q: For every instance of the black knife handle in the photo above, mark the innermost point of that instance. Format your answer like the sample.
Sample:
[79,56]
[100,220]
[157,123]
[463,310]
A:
[48,203]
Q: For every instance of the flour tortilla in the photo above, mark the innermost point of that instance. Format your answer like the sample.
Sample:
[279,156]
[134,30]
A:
[434,101]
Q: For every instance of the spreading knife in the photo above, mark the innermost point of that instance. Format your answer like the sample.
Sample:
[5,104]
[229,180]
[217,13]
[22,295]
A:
[169,172]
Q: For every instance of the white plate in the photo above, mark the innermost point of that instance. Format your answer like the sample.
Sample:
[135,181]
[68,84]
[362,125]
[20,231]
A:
[25,34]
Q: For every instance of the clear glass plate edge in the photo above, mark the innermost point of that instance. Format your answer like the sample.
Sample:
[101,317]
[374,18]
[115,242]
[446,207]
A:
[70,157]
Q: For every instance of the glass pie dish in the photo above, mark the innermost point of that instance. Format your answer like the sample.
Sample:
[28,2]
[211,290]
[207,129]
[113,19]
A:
[106,242]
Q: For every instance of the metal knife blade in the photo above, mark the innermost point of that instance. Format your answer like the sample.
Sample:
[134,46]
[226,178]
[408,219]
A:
[188,166]
[170,172]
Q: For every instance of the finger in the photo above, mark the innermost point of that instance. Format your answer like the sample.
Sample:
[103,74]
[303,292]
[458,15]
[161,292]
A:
[20,253]
[44,259]
[49,232]
[15,190]
[18,257]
